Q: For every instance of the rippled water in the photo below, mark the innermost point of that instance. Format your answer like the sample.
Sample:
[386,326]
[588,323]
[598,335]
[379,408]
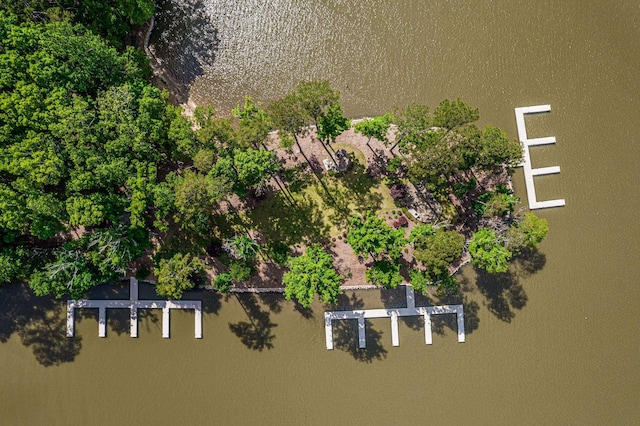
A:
[558,346]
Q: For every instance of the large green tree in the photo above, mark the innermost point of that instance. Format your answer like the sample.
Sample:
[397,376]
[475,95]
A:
[82,134]
[178,274]
[253,123]
[526,233]
[315,98]
[112,19]
[487,251]
[451,114]
[438,251]
[371,236]
[332,124]
[289,116]
[376,127]
[310,274]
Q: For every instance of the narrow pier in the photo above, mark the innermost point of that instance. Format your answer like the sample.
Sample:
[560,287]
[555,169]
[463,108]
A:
[529,172]
[133,304]
[393,314]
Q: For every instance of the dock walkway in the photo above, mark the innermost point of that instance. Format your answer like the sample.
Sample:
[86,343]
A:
[394,313]
[133,304]
[529,172]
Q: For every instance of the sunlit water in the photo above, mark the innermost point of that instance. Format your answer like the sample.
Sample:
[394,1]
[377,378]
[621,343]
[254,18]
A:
[561,347]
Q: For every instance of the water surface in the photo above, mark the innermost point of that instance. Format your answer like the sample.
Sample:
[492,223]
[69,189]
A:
[558,346]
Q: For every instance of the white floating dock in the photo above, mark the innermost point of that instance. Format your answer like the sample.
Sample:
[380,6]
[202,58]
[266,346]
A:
[133,304]
[529,173]
[410,310]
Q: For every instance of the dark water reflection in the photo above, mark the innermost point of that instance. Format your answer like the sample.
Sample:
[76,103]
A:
[39,322]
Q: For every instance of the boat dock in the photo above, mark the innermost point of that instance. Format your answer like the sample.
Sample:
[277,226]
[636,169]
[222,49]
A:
[394,313]
[133,304]
[529,172]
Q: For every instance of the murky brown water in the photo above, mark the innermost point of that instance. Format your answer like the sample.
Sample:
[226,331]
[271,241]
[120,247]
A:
[566,353]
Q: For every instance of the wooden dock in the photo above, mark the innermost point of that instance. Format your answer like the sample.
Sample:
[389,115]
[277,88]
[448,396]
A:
[393,314]
[133,304]
[529,172]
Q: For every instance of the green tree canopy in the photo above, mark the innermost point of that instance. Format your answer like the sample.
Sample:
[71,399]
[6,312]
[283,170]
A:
[372,236]
[315,98]
[487,252]
[112,19]
[384,273]
[438,251]
[376,127]
[244,247]
[450,115]
[310,274]
[496,149]
[82,135]
[526,233]
[253,123]
[413,122]
[255,166]
[178,274]
[332,124]
[289,116]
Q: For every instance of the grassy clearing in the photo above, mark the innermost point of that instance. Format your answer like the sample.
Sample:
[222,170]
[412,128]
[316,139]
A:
[315,208]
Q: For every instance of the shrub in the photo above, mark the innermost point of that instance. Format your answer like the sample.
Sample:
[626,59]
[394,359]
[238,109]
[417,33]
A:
[397,191]
[401,222]
[240,271]
[223,282]
[315,164]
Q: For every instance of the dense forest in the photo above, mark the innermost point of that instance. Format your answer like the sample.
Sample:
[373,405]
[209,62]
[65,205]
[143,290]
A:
[101,177]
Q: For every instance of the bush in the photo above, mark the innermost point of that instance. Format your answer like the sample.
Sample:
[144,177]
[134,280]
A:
[223,282]
[397,191]
[401,222]
[240,271]
[315,164]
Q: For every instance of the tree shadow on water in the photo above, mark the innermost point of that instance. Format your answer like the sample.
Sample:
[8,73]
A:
[504,291]
[184,41]
[345,334]
[257,334]
[40,322]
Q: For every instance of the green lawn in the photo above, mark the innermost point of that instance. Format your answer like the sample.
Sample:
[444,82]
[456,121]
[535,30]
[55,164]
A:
[314,209]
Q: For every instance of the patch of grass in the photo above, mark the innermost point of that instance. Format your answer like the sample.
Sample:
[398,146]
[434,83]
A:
[314,210]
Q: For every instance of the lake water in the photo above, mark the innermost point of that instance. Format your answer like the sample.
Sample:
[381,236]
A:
[559,346]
